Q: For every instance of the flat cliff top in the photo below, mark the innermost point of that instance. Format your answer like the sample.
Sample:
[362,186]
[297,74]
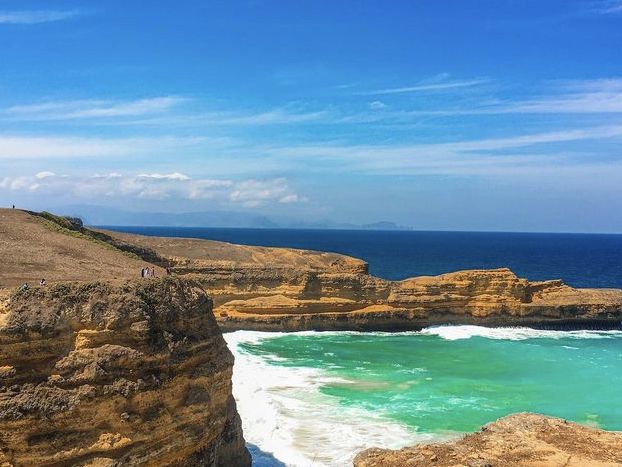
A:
[32,248]
[203,251]
[516,440]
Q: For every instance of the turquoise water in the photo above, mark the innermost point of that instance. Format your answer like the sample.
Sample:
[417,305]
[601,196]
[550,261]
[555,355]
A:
[447,379]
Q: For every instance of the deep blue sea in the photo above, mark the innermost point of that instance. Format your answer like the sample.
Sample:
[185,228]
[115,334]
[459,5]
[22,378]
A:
[581,260]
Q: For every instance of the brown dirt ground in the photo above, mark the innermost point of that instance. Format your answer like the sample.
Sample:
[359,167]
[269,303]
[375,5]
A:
[30,250]
[214,251]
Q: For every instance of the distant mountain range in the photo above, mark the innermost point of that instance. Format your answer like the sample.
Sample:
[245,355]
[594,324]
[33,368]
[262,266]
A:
[101,215]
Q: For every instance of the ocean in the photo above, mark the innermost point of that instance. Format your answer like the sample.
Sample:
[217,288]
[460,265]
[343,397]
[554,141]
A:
[316,399]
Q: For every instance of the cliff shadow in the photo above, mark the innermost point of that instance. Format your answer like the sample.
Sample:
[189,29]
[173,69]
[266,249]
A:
[262,458]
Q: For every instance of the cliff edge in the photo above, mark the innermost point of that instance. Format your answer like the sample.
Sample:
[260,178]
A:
[97,374]
[282,289]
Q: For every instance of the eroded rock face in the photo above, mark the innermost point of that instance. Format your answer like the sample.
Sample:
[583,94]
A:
[96,374]
[278,289]
[518,440]
[361,302]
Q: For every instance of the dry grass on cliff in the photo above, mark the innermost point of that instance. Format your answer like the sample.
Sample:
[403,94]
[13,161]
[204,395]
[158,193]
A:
[32,247]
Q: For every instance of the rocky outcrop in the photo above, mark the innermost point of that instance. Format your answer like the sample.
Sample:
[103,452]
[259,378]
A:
[519,440]
[116,375]
[329,301]
[276,289]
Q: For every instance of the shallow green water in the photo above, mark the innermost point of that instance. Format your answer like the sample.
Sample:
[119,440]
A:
[458,378]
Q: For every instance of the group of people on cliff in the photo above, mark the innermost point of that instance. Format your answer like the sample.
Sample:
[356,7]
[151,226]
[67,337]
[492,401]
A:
[147,272]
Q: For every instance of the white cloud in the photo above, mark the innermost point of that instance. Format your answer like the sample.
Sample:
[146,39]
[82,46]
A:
[468,157]
[376,105]
[293,198]
[171,176]
[44,174]
[252,193]
[41,147]
[429,87]
[608,7]
[35,16]
[156,186]
[591,96]
[91,109]
[263,118]
[241,119]
[155,111]
[567,97]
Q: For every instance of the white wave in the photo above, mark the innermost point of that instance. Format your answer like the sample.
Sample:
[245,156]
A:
[284,413]
[513,333]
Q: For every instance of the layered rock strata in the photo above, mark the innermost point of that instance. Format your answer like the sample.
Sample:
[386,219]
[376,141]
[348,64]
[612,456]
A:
[276,289]
[361,302]
[519,440]
[116,375]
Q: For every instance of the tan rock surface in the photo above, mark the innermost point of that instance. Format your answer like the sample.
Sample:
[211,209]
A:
[520,440]
[276,289]
[118,375]
[286,289]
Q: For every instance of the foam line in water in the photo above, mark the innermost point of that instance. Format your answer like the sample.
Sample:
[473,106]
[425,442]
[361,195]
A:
[513,333]
[284,413]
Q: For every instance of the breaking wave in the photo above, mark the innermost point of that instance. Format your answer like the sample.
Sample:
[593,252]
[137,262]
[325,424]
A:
[284,413]
[513,333]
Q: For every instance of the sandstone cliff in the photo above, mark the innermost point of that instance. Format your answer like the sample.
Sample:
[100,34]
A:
[518,440]
[115,375]
[276,289]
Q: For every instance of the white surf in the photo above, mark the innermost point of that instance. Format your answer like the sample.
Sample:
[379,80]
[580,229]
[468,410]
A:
[284,413]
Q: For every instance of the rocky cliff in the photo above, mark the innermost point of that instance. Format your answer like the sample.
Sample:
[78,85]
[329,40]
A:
[518,440]
[276,289]
[361,302]
[115,375]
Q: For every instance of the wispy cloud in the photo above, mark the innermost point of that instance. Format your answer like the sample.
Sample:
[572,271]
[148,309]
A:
[36,16]
[470,156]
[591,96]
[262,118]
[163,110]
[428,87]
[36,147]
[570,97]
[90,109]
[157,187]
[607,7]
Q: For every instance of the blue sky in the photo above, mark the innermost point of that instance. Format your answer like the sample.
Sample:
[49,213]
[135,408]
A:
[487,115]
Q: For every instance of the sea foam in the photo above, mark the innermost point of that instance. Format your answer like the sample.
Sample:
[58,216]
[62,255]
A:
[513,333]
[284,413]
